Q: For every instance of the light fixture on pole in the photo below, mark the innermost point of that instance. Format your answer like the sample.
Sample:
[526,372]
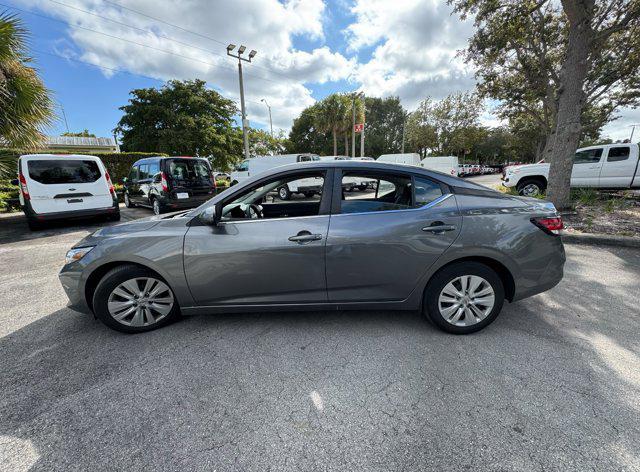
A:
[245,122]
[270,121]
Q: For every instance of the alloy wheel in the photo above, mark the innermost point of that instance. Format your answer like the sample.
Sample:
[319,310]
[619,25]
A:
[142,301]
[466,300]
[156,206]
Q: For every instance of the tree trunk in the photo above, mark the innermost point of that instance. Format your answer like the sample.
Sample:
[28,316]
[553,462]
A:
[562,144]
[335,142]
[346,144]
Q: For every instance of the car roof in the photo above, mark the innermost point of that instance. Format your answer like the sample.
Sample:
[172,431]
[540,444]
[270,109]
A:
[383,166]
[57,156]
[154,158]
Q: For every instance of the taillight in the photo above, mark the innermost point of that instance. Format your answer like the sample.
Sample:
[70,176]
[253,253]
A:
[549,225]
[23,187]
[112,189]
[163,182]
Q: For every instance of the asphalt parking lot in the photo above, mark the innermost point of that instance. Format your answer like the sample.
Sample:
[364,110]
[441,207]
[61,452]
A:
[553,384]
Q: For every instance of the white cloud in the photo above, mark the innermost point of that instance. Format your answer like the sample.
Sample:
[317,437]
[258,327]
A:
[278,73]
[415,49]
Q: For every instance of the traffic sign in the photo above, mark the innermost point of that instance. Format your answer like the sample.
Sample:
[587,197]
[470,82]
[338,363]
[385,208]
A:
[358,128]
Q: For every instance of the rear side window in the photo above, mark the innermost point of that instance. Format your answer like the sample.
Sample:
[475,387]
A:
[60,171]
[426,191]
[188,169]
[588,156]
[618,154]
[381,192]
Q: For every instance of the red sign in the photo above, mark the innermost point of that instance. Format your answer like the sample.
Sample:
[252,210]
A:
[358,128]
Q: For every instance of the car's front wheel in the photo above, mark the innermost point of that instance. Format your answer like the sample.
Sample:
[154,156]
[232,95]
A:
[127,201]
[132,299]
[464,297]
[157,208]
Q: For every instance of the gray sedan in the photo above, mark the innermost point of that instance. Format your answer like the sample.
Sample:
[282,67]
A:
[417,240]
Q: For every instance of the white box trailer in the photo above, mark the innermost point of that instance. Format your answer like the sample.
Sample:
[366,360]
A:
[445,164]
[410,159]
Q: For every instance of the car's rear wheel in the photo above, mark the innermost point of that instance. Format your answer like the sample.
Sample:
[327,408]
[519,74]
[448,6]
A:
[133,299]
[464,297]
[157,208]
[284,193]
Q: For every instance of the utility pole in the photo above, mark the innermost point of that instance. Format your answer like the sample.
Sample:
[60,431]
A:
[270,121]
[633,128]
[364,110]
[353,124]
[64,115]
[245,122]
[404,125]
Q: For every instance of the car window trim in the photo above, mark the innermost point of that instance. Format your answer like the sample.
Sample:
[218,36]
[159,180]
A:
[429,205]
[336,203]
[325,198]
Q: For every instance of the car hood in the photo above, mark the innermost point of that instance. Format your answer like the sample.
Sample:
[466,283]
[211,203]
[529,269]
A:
[135,226]
[526,167]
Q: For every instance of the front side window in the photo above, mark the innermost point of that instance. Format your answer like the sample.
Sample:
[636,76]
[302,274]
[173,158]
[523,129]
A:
[144,171]
[588,156]
[295,195]
[618,154]
[133,174]
[154,168]
[61,171]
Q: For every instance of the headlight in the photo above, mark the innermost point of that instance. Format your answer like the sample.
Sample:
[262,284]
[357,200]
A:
[76,254]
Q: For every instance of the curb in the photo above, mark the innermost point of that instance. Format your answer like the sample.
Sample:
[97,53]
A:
[600,240]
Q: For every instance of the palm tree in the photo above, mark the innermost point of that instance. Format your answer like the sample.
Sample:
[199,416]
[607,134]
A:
[25,105]
[329,117]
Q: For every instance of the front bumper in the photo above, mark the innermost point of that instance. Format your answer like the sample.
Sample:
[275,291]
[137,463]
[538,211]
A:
[71,281]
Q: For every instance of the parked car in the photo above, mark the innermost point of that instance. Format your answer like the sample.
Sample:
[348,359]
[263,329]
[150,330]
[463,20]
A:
[169,183]
[422,241]
[608,166]
[59,187]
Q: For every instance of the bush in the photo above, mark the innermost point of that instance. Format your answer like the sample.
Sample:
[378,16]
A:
[117,163]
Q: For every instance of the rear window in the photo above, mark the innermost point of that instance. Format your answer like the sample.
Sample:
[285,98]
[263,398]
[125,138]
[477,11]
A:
[61,171]
[188,169]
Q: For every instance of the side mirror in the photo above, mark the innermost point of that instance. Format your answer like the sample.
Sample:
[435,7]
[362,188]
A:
[124,180]
[209,216]
[15,182]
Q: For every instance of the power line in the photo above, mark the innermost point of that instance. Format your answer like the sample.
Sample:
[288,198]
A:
[133,42]
[181,28]
[122,71]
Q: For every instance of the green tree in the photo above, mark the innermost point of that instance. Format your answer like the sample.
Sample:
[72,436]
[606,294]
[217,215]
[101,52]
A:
[448,126]
[305,136]
[261,143]
[25,105]
[330,116]
[181,118]
[567,65]
[383,128]
[81,134]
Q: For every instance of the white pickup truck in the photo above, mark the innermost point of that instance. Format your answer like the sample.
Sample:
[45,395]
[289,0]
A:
[608,166]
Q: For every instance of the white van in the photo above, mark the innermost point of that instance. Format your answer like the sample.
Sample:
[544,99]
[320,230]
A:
[410,159]
[351,184]
[255,165]
[445,164]
[54,187]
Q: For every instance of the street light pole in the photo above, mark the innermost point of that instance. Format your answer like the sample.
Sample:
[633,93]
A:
[245,122]
[633,128]
[270,121]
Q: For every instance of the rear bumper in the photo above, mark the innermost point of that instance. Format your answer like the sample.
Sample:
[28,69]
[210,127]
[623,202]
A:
[63,215]
[183,203]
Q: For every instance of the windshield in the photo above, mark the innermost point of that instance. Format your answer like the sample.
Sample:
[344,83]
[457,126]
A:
[188,169]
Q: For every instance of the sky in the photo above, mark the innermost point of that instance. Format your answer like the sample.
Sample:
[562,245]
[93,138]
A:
[92,53]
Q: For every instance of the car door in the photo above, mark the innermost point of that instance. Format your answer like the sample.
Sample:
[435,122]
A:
[586,167]
[145,181]
[132,184]
[382,241]
[618,167]
[276,259]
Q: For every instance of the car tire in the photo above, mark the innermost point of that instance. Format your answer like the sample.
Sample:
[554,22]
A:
[104,300]
[127,201]
[284,193]
[157,208]
[531,187]
[458,314]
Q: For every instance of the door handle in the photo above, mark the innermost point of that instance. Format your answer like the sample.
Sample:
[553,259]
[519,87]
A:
[438,229]
[304,237]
